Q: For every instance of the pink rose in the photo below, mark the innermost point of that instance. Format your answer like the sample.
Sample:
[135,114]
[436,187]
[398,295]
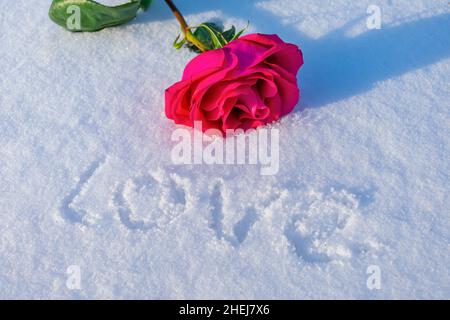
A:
[250,82]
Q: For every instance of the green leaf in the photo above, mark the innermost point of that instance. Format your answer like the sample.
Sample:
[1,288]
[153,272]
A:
[145,4]
[89,15]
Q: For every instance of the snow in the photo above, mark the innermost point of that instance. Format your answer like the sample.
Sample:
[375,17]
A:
[86,177]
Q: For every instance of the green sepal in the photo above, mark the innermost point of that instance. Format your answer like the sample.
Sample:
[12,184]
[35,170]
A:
[213,36]
[240,32]
[179,44]
[229,34]
[218,41]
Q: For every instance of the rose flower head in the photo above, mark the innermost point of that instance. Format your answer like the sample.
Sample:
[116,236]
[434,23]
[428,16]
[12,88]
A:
[249,82]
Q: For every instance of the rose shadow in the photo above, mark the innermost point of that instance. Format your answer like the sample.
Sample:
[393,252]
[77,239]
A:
[338,66]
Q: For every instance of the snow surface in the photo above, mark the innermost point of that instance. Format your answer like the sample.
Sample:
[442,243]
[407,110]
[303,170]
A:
[86,177]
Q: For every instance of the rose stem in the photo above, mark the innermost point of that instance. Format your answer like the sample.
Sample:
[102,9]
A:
[184,26]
